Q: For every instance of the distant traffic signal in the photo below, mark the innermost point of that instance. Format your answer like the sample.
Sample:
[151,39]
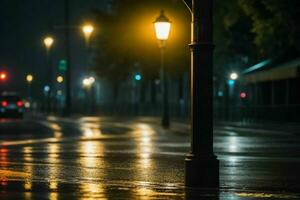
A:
[3,76]
[243,95]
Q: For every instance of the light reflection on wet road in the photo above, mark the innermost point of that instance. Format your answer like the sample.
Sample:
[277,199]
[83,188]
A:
[98,158]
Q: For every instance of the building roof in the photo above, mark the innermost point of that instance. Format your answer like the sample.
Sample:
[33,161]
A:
[282,67]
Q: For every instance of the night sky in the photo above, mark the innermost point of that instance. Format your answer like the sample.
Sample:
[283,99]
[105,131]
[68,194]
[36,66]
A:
[23,26]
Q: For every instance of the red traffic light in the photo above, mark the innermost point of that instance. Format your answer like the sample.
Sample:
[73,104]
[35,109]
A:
[3,76]
[243,95]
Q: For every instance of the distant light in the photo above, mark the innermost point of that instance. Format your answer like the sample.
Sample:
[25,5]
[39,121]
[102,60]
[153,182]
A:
[157,82]
[48,42]
[27,104]
[46,88]
[231,82]
[92,80]
[220,93]
[85,82]
[138,77]
[88,29]
[60,79]
[243,95]
[233,76]
[59,92]
[29,78]
[3,76]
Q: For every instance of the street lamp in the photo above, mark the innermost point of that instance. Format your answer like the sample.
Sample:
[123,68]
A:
[201,165]
[87,84]
[234,76]
[48,42]
[29,79]
[60,79]
[162,26]
[87,30]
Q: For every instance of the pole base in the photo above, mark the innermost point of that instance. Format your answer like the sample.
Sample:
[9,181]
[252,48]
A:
[201,172]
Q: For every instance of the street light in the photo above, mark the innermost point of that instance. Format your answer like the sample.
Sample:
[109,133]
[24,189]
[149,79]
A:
[234,76]
[88,82]
[162,26]
[60,79]
[29,79]
[48,42]
[87,30]
[201,164]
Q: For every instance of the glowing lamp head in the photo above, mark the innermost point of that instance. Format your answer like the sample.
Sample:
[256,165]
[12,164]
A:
[29,78]
[234,76]
[86,82]
[91,80]
[162,26]
[88,29]
[60,79]
[48,42]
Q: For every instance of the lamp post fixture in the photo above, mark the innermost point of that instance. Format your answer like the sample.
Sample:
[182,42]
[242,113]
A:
[234,76]
[29,79]
[48,42]
[162,27]
[201,165]
[87,30]
[60,79]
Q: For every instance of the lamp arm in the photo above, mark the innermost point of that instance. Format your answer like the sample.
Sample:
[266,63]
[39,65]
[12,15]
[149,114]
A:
[189,4]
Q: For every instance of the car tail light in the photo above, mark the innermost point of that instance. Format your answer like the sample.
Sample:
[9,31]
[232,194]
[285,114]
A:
[20,103]
[4,103]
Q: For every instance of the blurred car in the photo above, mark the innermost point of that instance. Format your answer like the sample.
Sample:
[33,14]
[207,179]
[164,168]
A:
[11,106]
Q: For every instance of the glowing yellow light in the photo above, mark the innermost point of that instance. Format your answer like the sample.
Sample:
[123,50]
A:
[87,29]
[29,78]
[92,80]
[162,27]
[60,79]
[48,41]
[88,82]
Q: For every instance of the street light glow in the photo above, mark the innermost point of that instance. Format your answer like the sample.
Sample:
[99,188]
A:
[48,42]
[162,27]
[29,78]
[60,79]
[87,30]
[88,82]
[92,80]
[234,76]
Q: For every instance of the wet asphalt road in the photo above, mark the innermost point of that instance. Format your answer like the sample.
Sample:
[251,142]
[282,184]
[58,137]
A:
[106,158]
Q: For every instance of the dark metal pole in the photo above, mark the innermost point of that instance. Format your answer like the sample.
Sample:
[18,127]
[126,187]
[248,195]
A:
[201,165]
[68,101]
[50,77]
[165,118]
